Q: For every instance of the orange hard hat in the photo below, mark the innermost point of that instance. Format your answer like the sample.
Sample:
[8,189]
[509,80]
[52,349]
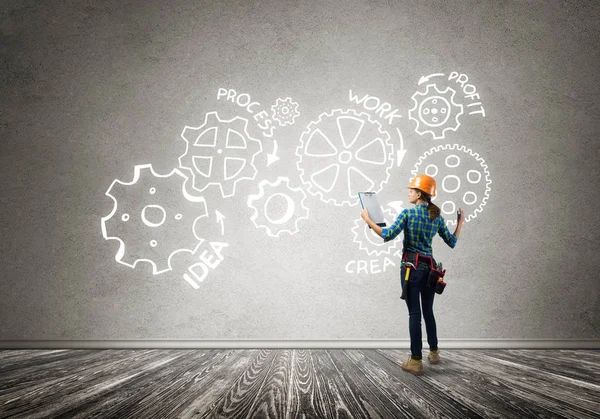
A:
[425,183]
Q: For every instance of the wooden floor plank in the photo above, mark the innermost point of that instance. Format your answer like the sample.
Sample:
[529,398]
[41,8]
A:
[124,394]
[542,381]
[211,382]
[482,392]
[35,360]
[270,400]
[545,393]
[388,380]
[452,380]
[364,385]
[175,389]
[331,404]
[550,361]
[239,398]
[590,355]
[24,374]
[74,389]
[17,396]
[307,394]
[346,399]
[27,353]
[335,395]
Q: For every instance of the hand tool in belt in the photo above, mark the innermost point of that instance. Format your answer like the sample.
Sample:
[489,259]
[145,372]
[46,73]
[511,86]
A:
[408,266]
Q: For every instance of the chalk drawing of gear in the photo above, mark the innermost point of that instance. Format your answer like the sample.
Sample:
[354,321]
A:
[456,186]
[369,241]
[219,152]
[285,111]
[343,153]
[278,196]
[153,218]
[436,110]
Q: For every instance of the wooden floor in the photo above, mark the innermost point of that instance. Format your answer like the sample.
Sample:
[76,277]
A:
[282,383]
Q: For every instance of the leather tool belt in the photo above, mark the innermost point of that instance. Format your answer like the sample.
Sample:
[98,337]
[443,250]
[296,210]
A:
[415,257]
[435,276]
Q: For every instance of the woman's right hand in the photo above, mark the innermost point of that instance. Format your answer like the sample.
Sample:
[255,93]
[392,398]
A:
[460,216]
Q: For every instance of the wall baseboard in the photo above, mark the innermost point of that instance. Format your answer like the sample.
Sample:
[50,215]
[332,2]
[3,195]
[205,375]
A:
[299,344]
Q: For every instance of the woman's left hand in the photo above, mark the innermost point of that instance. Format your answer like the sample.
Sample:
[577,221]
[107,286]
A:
[365,214]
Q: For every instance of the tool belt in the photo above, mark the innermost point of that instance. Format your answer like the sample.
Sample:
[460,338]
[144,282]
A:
[415,257]
[436,274]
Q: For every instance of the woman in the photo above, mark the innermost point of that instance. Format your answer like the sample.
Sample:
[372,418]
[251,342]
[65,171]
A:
[421,224]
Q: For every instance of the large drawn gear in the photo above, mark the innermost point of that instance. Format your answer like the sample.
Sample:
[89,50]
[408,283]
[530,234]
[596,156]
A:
[448,171]
[153,193]
[331,144]
[369,241]
[296,209]
[435,110]
[285,111]
[216,137]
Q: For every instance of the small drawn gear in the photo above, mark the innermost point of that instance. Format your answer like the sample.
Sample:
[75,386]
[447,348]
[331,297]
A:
[369,241]
[442,162]
[435,110]
[215,138]
[294,207]
[154,201]
[331,146]
[285,111]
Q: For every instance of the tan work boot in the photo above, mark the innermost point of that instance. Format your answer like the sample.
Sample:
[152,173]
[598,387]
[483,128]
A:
[434,357]
[413,366]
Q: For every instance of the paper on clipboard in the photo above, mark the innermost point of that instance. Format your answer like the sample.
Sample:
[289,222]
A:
[369,201]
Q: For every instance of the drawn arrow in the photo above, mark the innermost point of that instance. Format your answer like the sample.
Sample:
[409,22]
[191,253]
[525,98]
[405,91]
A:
[220,218]
[272,158]
[402,151]
[424,79]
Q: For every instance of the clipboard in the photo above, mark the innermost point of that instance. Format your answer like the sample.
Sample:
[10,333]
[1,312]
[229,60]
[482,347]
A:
[369,201]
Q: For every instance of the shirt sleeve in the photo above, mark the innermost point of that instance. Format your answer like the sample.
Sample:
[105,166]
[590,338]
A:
[445,234]
[390,233]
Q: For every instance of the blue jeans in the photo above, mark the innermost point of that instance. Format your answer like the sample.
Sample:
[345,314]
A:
[417,286]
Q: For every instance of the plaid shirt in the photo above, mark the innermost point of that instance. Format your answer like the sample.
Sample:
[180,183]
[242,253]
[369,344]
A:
[420,232]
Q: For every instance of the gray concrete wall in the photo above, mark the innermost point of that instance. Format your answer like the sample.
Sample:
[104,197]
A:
[90,90]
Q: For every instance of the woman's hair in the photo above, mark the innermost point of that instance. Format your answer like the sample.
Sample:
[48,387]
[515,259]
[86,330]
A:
[433,209]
